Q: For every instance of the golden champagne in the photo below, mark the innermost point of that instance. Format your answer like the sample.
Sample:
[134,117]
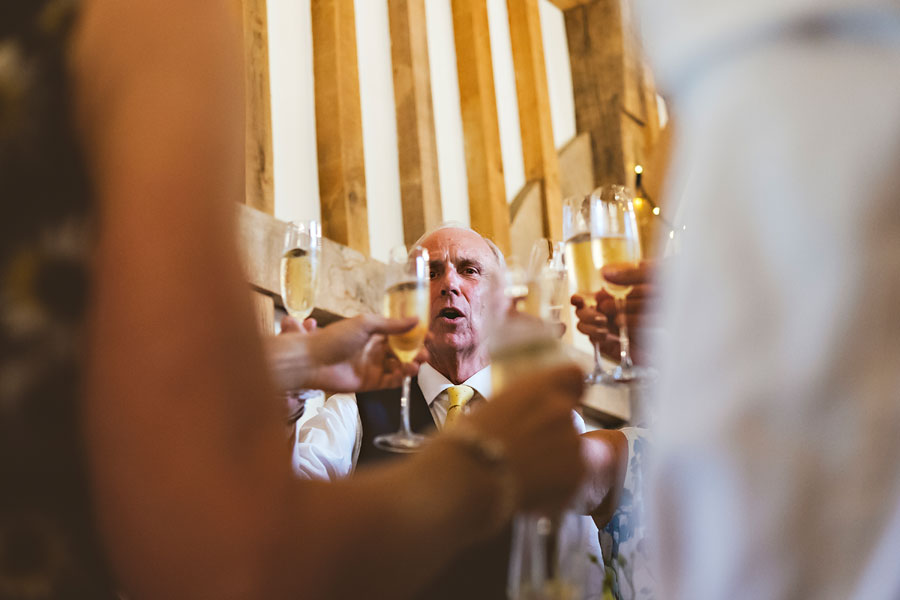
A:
[617,249]
[583,275]
[299,277]
[408,299]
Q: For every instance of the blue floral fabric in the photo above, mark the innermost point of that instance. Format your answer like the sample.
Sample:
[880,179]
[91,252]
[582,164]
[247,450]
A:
[48,545]
[623,541]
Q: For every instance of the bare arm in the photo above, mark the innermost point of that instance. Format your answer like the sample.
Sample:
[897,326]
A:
[606,456]
[193,492]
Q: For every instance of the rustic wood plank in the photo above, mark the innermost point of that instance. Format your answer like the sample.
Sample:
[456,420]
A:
[420,192]
[489,212]
[594,33]
[263,312]
[535,122]
[349,282]
[259,179]
[339,141]
[567,4]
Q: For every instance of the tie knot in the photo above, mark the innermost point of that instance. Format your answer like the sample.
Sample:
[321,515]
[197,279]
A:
[459,395]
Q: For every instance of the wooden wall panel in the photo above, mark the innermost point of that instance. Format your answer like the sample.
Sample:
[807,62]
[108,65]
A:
[535,122]
[263,312]
[259,182]
[488,209]
[420,192]
[596,49]
[339,141]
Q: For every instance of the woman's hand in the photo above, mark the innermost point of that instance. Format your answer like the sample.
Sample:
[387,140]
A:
[352,355]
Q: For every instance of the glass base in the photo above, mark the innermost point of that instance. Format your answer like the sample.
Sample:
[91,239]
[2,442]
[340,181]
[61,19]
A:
[403,443]
[628,375]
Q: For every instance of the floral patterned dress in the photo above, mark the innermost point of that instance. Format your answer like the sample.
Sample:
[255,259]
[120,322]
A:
[48,545]
[623,541]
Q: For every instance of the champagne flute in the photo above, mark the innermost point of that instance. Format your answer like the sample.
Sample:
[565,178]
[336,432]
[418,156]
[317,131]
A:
[407,294]
[300,268]
[584,276]
[299,283]
[615,240]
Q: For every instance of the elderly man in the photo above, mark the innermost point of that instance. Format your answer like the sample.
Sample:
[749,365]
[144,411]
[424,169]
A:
[339,437]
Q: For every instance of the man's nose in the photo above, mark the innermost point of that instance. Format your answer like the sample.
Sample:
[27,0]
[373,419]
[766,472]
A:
[449,283]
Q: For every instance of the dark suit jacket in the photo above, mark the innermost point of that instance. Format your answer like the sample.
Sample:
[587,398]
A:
[479,572]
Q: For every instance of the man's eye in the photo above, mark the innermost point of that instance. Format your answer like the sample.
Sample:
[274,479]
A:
[432,274]
[470,271]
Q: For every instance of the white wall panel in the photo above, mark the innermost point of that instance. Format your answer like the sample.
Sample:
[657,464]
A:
[507,101]
[293,110]
[559,73]
[447,113]
[379,119]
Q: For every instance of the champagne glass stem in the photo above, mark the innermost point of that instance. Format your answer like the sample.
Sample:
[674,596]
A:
[404,407]
[598,366]
[625,362]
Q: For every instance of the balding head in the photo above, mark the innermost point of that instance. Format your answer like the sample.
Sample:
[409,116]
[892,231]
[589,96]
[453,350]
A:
[463,268]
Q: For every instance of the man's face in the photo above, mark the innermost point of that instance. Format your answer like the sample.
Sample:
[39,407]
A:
[462,268]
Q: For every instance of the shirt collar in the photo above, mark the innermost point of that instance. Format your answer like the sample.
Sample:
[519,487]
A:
[433,383]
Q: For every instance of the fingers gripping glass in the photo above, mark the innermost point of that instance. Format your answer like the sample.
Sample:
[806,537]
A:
[584,275]
[407,294]
[615,240]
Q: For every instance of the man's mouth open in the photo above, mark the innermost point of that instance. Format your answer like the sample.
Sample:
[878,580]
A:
[450,314]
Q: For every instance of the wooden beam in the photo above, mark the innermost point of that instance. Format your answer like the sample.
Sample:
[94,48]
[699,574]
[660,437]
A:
[339,141]
[567,4]
[488,209]
[594,33]
[259,182]
[615,100]
[535,122]
[263,312]
[420,191]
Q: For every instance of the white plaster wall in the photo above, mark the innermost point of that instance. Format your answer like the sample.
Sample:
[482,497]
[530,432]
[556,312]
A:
[379,121]
[293,109]
[447,113]
[559,73]
[507,101]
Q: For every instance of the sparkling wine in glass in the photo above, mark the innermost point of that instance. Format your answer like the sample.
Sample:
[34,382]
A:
[584,275]
[615,240]
[407,294]
[300,268]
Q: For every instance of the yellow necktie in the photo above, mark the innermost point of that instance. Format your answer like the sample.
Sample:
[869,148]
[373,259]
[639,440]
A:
[459,395]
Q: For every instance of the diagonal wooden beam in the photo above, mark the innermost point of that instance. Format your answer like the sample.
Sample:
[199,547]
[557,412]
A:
[535,122]
[489,212]
[259,181]
[567,4]
[339,141]
[420,192]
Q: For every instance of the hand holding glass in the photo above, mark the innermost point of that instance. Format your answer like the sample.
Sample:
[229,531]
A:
[615,240]
[407,294]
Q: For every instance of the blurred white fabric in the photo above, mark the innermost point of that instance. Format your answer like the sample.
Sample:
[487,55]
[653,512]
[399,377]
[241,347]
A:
[778,438]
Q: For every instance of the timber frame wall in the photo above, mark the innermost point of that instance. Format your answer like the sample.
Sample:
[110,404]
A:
[615,106]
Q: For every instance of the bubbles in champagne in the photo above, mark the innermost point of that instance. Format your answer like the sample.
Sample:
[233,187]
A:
[299,276]
[408,299]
